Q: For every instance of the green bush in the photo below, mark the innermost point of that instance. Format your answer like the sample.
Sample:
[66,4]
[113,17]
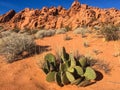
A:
[110,32]
[14,45]
[68,69]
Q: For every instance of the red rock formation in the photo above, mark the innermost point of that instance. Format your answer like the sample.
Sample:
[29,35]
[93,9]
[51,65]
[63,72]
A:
[57,17]
[6,17]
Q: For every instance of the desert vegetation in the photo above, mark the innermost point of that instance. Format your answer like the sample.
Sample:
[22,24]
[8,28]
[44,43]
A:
[66,37]
[44,33]
[16,46]
[110,32]
[93,32]
[68,69]
[64,68]
[81,31]
[61,31]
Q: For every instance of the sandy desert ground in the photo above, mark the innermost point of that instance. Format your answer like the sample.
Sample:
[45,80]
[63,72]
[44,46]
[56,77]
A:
[26,75]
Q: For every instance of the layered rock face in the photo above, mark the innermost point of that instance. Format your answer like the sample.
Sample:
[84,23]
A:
[58,17]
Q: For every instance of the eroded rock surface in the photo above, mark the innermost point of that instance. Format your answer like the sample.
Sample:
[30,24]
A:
[57,17]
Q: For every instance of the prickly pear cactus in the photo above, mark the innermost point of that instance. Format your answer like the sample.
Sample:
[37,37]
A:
[84,83]
[50,58]
[77,81]
[83,62]
[63,67]
[72,59]
[50,76]
[79,70]
[58,78]
[69,70]
[70,77]
[90,74]
[65,55]
[46,67]
[65,80]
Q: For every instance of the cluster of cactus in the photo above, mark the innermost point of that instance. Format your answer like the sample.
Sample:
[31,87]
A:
[68,70]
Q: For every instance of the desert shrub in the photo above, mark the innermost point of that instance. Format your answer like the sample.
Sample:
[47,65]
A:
[33,31]
[68,28]
[68,69]
[61,31]
[110,32]
[86,44]
[16,30]
[29,32]
[49,33]
[5,33]
[40,34]
[15,45]
[44,33]
[66,37]
[81,31]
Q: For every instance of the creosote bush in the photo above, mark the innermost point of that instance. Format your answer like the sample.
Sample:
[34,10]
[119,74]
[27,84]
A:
[110,32]
[15,45]
[68,69]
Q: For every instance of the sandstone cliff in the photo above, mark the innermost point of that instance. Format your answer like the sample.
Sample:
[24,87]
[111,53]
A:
[57,17]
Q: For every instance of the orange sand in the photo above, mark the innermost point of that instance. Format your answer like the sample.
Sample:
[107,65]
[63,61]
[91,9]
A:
[26,74]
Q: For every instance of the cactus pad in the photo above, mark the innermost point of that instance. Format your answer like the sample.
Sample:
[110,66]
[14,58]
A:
[72,59]
[65,81]
[58,78]
[46,67]
[70,77]
[50,58]
[83,61]
[65,55]
[79,70]
[90,74]
[50,76]
[77,81]
[84,83]
[70,69]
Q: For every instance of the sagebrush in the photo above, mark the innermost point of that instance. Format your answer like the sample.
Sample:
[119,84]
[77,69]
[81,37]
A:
[15,45]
